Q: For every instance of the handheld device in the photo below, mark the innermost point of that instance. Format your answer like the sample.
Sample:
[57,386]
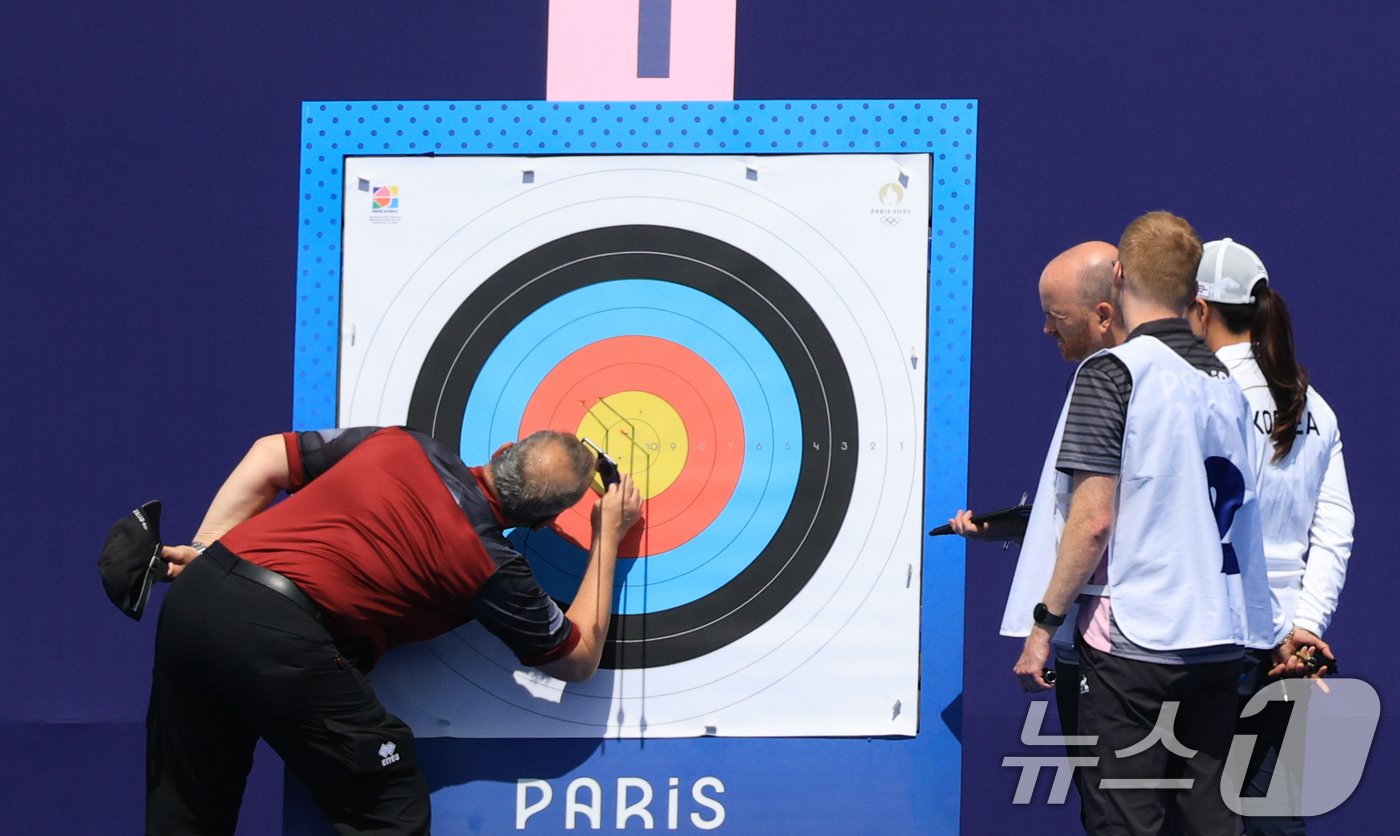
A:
[1312,663]
[608,474]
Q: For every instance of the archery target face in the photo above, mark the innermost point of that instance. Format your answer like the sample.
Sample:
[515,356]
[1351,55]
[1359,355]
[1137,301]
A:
[743,336]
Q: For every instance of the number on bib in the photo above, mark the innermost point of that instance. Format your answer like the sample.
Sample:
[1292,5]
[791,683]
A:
[1226,496]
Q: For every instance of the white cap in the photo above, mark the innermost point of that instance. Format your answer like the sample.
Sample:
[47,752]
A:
[1228,273]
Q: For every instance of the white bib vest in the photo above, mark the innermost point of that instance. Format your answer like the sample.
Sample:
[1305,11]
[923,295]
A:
[1176,580]
[1039,545]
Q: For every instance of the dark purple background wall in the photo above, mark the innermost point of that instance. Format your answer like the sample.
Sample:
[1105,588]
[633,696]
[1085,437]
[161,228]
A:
[150,165]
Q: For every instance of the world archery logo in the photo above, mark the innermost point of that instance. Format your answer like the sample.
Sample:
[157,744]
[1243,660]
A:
[383,202]
[385,197]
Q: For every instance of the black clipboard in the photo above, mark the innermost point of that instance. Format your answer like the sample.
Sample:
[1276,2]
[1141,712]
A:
[1006,523]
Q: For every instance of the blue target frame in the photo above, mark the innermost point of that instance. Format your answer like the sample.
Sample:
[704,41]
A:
[784,785]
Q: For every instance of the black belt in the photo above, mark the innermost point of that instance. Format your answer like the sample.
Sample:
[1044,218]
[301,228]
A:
[232,564]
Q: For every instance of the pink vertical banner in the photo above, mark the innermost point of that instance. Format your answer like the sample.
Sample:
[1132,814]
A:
[641,50]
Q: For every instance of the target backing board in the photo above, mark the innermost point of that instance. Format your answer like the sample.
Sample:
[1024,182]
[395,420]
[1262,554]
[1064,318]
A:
[373,353]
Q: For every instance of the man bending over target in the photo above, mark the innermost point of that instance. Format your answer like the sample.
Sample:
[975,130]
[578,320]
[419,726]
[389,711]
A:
[387,538]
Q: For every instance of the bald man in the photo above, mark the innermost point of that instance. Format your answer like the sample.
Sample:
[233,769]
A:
[1076,290]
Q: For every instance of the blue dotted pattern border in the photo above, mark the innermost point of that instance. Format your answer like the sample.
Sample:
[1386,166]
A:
[944,129]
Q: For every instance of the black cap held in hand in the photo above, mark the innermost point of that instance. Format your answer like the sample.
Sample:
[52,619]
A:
[131,560]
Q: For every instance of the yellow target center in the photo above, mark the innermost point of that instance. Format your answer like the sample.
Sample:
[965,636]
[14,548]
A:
[641,432]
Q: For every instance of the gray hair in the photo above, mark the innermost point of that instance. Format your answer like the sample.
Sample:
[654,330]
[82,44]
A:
[528,496]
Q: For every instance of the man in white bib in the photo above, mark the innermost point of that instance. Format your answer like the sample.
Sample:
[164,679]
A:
[1156,442]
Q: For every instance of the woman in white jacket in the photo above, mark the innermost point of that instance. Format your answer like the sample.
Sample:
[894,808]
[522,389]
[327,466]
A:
[1304,503]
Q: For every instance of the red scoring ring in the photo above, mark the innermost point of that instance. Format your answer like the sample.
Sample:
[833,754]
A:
[693,388]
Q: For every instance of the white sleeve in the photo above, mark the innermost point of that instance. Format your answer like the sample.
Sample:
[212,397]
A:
[1329,548]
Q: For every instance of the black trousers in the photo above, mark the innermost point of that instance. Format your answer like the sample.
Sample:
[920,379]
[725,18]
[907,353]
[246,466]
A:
[1270,726]
[236,661]
[1067,707]
[1121,706]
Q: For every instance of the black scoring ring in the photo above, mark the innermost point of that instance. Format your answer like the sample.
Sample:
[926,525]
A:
[750,287]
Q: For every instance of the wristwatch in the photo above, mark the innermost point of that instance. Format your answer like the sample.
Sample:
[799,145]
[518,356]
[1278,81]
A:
[1045,618]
